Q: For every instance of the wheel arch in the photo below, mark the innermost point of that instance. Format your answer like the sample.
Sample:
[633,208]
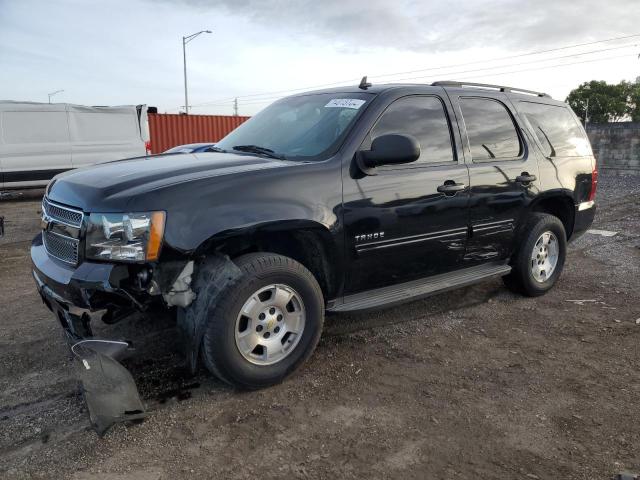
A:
[559,204]
[306,241]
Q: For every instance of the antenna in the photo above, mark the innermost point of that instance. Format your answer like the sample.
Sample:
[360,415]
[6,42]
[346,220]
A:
[364,84]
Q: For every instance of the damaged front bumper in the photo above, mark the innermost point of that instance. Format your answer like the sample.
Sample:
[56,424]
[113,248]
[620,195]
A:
[76,296]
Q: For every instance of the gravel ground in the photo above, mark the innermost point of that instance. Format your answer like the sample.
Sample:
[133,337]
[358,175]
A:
[476,383]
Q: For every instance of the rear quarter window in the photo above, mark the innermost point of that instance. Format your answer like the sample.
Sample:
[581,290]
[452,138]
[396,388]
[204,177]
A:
[558,132]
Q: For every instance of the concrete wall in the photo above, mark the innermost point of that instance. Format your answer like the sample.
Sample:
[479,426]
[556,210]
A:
[616,146]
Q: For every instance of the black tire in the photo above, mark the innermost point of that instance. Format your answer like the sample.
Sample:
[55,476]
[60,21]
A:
[220,352]
[521,279]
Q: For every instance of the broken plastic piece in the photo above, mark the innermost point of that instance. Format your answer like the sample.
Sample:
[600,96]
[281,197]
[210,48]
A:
[626,476]
[211,278]
[181,294]
[109,390]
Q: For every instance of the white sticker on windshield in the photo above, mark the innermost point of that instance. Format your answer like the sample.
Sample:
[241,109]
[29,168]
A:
[345,103]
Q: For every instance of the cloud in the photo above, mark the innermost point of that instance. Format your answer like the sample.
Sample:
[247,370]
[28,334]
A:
[438,26]
[130,51]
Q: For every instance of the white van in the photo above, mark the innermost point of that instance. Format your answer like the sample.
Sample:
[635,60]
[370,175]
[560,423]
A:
[40,140]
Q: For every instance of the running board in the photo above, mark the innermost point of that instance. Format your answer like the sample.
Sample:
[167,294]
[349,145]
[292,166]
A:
[404,292]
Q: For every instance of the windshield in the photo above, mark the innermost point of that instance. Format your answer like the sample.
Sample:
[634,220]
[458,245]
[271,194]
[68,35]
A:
[307,127]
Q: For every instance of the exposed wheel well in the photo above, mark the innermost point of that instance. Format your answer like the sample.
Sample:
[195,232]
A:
[312,247]
[561,207]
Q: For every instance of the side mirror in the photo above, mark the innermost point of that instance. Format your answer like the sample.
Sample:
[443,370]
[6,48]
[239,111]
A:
[391,149]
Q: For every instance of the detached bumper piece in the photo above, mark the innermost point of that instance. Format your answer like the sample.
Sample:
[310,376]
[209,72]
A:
[75,295]
[109,389]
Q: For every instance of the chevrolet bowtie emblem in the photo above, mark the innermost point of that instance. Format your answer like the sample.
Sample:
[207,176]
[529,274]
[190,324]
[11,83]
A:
[45,221]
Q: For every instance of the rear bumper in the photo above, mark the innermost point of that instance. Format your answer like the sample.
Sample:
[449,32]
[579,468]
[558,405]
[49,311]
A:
[584,215]
[75,295]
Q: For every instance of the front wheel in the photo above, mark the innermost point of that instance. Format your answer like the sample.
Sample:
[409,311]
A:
[266,324]
[539,258]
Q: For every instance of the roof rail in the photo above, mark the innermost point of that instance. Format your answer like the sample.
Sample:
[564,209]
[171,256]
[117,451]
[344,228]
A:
[501,88]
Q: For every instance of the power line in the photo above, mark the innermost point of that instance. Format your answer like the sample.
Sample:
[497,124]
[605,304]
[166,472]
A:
[572,55]
[538,52]
[518,64]
[556,66]
[542,67]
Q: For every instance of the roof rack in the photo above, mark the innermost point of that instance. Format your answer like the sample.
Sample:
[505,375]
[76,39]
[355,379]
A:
[501,88]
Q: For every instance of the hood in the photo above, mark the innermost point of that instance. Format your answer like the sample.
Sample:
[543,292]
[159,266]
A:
[109,186]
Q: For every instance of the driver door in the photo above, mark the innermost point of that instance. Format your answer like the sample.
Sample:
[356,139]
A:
[399,223]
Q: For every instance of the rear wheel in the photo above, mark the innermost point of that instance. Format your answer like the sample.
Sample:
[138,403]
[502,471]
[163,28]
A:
[266,324]
[539,259]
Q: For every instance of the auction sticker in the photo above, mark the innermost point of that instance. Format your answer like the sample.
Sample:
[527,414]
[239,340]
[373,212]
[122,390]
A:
[345,103]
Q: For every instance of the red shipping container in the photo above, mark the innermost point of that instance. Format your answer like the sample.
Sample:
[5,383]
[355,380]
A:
[168,130]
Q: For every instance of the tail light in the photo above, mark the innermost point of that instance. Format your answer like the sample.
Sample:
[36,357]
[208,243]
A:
[147,145]
[594,184]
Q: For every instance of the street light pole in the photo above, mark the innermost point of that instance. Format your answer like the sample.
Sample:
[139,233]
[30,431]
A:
[186,40]
[184,62]
[54,93]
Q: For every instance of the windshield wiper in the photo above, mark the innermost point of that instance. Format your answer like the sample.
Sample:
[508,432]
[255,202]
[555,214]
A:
[213,148]
[267,152]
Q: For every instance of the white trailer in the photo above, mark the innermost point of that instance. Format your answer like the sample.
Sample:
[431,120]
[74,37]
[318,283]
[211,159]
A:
[40,140]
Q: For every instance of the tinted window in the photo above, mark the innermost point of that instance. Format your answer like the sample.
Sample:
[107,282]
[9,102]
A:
[425,119]
[491,132]
[557,130]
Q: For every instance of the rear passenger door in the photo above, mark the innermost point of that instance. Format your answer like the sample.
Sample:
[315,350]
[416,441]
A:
[503,174]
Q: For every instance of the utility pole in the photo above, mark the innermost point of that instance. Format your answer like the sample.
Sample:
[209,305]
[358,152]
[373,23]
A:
[186,40]
[235,107]
[586,114]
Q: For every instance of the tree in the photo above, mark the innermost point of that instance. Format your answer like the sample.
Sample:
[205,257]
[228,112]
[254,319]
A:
[607,103]
[634,101]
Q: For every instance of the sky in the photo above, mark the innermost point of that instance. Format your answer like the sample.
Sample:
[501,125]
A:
[130,51]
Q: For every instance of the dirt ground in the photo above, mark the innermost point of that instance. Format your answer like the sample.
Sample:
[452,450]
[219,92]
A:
[476,383]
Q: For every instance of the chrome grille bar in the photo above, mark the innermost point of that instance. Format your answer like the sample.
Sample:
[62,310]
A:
[65,215]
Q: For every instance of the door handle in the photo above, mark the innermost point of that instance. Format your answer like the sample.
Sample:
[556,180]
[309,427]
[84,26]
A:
[450,186]
[524,177]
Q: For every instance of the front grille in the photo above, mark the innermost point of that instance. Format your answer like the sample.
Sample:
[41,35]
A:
[65,215]
[61,234]
[60,247]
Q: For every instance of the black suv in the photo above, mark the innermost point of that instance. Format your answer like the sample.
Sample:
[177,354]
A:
[336,200]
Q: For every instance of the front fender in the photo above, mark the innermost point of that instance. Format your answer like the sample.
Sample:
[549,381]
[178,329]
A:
[245,202]
[189,232]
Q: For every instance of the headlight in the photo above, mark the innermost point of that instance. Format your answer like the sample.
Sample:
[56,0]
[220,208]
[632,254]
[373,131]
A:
[129,237]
